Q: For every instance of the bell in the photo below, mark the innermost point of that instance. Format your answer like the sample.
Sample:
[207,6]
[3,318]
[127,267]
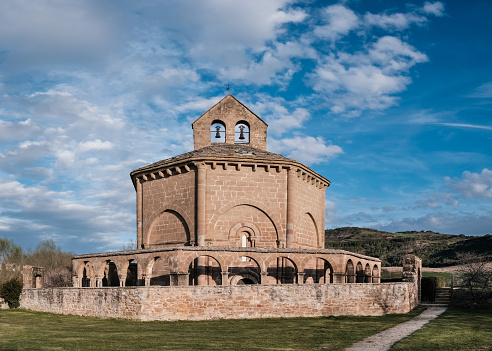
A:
[217,135]
[241,133]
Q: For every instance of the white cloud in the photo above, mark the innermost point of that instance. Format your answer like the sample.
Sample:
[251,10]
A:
[397,21]
[95,145]
[308,150]
[434,8]
[484,91]
[473,185]
[340,21]
[354,82]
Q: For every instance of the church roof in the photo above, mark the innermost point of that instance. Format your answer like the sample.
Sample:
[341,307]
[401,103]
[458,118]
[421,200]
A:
[220,151]
[228,98]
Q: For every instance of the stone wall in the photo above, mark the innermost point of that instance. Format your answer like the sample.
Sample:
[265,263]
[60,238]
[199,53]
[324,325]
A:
[207,302]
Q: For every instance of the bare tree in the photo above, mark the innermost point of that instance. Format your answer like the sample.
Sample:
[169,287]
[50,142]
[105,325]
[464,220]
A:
[476,276]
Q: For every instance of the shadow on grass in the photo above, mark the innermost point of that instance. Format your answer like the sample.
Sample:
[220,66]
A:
[27,330]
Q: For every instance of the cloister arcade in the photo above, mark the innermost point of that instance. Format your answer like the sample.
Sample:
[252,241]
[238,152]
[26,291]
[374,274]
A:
[185,266]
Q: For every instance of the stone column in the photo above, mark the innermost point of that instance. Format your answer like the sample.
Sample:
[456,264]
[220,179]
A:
[339,277]
[75,281]
[290,207]
[300,278]
[201,203]
[140,238]
[225,277]
[263,278]
[122,279]
[99,281]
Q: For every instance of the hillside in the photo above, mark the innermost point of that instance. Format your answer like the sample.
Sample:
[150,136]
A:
[435,249]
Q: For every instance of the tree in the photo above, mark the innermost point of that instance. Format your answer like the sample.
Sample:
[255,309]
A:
[11,258]
[476,276]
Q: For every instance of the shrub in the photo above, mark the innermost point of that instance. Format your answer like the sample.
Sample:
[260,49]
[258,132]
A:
[10,291]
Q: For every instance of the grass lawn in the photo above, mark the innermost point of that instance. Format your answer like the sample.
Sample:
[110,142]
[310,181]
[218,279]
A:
[27,330]
[456,329]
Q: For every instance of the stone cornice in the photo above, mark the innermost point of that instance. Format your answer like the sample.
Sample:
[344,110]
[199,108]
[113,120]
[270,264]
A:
[227,249]
[182,166]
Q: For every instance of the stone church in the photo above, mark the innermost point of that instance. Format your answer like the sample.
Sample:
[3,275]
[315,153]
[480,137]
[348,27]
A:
[228,212]
[228,230]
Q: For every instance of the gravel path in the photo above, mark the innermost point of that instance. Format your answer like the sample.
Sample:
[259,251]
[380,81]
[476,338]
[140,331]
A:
[384,340]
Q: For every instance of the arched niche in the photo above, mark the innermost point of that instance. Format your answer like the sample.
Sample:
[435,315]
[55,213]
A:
[242,133]
[218,132]
[169,228]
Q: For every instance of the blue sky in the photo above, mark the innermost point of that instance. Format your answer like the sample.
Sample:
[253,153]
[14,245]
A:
[390,100]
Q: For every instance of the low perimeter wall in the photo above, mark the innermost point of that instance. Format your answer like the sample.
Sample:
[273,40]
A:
[211,302]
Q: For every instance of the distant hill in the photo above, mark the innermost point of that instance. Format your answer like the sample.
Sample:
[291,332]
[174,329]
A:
[435,249]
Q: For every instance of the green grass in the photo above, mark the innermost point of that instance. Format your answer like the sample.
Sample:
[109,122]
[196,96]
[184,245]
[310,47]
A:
[456,329]
[27,330]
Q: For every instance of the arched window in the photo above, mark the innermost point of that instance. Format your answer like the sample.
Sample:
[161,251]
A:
[241,132]
[218,132]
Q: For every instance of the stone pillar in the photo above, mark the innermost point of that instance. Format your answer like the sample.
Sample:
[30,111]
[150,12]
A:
[339,277]
[179,279]
[225,278]
[99,281]
[412,272]
[75,281]
[122,279]
[140,238]
[264,277]
[290,208]
[201,202]
[201,270]
[300,278]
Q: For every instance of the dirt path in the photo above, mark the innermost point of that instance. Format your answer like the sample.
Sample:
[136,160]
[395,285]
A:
[384,340]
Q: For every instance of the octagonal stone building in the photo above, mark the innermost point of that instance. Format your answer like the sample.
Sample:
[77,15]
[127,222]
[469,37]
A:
[228,212]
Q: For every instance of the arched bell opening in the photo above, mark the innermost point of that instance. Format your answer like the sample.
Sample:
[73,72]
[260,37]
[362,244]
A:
[241,132]
[218,132]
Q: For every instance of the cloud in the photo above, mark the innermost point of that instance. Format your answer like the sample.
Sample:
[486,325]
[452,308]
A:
[484,91]
[366,80]
[95,145]
[340,21]
[473,185]
[47,30]
[434,8]
[396,21]
[281,116]
[307,150]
